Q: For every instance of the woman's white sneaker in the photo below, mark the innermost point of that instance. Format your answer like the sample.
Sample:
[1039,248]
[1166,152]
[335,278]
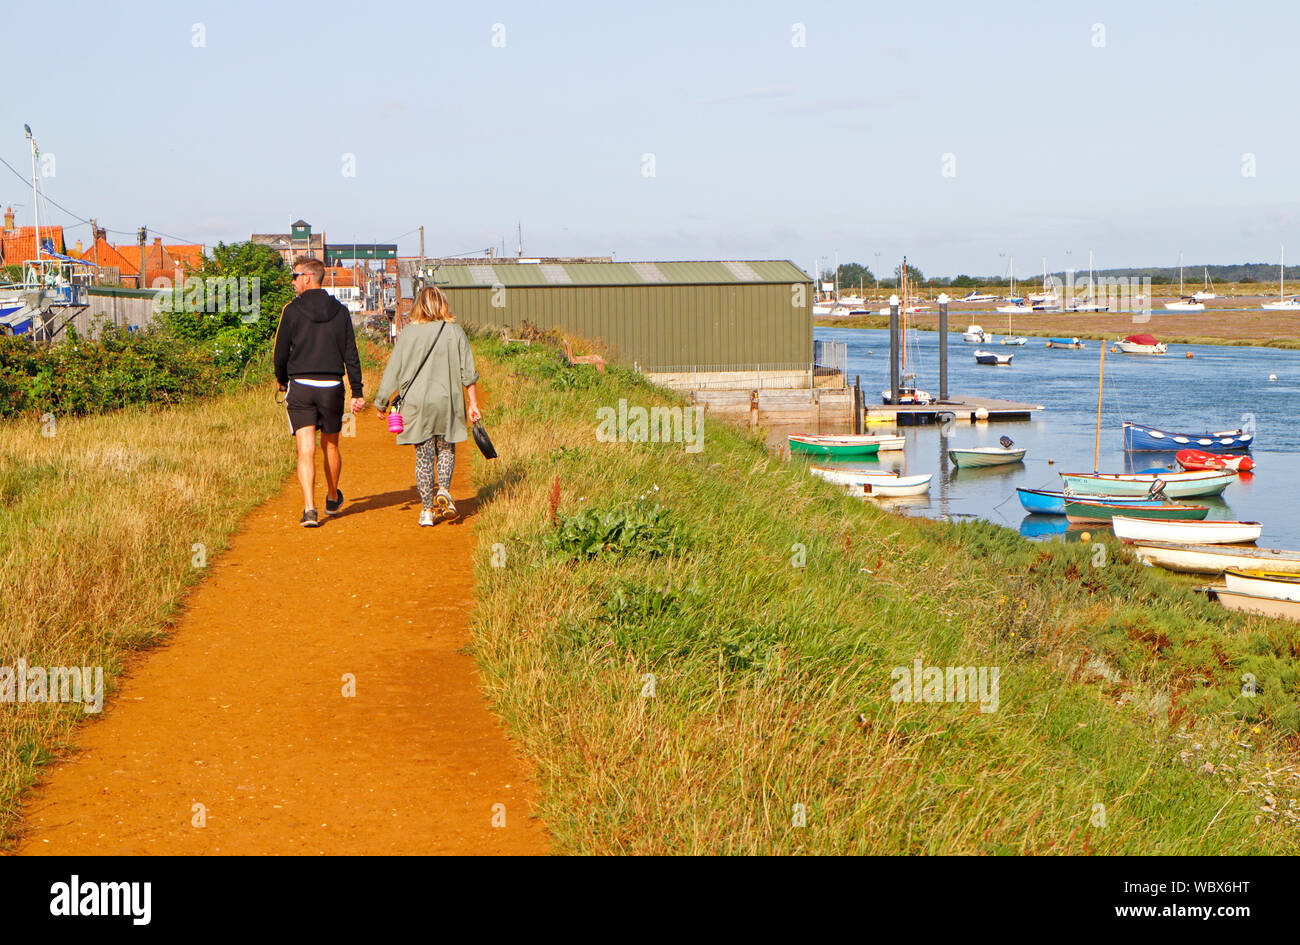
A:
[426,517]
[446,508]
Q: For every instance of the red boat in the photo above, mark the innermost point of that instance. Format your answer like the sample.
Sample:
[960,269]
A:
[1196,459]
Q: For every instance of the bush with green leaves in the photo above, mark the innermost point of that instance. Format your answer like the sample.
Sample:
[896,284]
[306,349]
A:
[232,339]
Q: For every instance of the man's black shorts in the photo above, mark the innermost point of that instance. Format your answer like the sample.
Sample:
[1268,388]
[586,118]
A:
[319,407]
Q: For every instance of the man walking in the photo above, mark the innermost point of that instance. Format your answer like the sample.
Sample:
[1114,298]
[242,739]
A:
[314,344]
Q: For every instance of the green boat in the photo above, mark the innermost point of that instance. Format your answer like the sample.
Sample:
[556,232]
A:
[844,446]
[1081,510]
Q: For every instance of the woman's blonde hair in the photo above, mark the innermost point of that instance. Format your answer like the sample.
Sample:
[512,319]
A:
[431,305]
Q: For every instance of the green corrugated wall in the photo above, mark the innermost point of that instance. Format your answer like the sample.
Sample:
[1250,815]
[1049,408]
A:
[736,325]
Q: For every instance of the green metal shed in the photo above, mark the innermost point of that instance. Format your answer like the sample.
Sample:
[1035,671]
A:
[666,316]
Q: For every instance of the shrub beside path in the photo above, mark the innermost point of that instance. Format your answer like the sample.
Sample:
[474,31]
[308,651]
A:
[243,709]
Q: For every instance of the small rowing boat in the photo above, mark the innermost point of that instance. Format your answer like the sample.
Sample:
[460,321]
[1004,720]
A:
[1256,604]
[881,485]
[1199,459]
[1080,510]
[865,444]
[1139,438]
[1003,455]
[1198,533]
[1275,584]
[1215,559]
[1178,485]
[1064,343]
[1048,502]
[990,357]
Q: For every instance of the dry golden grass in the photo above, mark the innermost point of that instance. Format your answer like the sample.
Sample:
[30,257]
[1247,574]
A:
[98,532]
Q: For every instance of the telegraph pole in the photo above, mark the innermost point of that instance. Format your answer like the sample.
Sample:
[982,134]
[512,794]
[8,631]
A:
[144,234]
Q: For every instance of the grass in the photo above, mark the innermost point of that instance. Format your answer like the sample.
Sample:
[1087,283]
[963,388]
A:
[723,684]
[98,527]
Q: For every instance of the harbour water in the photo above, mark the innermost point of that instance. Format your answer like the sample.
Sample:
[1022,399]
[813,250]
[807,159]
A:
[1218,388]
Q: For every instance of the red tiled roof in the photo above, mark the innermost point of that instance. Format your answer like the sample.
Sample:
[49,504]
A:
[19,244]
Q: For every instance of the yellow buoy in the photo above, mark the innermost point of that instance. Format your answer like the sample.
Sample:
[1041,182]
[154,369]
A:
[1086,536]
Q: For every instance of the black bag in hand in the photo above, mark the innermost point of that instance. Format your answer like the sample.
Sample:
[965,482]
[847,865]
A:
[482,441]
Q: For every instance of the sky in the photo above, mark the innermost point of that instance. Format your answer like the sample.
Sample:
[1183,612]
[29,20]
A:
[958,134]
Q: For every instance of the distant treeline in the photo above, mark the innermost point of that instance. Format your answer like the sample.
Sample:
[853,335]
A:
[853,275]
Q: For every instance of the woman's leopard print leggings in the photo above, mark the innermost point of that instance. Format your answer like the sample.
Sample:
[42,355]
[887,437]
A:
[435,459]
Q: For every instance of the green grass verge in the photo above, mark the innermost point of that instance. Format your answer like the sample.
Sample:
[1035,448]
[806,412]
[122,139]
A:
[697,650]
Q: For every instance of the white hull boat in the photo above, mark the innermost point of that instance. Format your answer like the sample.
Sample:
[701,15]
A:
[1264,584]
[976,335]
[885,485]
[1013,341]
[1255,604]
[1283,304]
[1185,305]
[1215,559]
[1132,347]
[1193,533]
[986,456]
[989,357]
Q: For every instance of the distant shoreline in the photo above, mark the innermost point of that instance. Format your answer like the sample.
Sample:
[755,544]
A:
[1215,326]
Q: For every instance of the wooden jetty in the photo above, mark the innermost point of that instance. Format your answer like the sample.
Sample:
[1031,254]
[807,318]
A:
[971,409]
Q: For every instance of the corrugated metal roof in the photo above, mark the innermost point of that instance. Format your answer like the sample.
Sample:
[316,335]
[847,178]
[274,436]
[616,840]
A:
[613,273]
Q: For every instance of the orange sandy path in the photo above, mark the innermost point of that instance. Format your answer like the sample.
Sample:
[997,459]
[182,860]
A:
[242,710]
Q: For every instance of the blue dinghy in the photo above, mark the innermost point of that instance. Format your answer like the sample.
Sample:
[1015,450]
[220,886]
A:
[1139,438]
[1048,502]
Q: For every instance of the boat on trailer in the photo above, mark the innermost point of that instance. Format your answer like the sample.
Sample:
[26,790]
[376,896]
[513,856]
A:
[1197,533]
[1214,559]
[1140,438]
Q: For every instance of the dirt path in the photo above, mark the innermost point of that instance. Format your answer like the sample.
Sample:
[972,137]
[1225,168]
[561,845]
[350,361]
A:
[243,710]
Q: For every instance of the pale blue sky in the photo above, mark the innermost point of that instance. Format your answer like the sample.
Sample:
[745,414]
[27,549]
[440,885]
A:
[762,149]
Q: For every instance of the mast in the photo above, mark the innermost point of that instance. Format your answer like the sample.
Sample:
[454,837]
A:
[1101,376]
[1180,273]
[902,312]
[36,202]
[1281,275]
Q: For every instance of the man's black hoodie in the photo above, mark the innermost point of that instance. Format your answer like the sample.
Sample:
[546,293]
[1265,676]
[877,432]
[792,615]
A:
[315,340]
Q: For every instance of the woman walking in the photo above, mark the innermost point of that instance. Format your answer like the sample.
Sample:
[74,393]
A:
[430,364]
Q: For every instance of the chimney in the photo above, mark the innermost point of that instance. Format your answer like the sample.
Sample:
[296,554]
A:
[79,250]
[9,220]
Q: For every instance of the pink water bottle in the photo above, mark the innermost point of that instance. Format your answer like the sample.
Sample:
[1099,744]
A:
[394,421]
